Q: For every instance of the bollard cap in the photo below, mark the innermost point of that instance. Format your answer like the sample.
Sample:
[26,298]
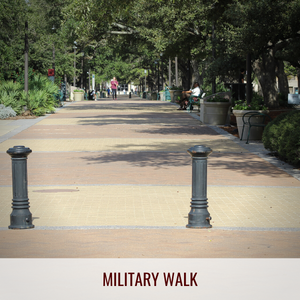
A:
[199,151]
[19,151]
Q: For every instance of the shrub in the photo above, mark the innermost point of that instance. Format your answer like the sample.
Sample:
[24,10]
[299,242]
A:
[176,88]
[41,96]
[217,99]
[37,102]
[257,103]
[207,87]
[12,95]
[20,77]
[6,112]
[282,136]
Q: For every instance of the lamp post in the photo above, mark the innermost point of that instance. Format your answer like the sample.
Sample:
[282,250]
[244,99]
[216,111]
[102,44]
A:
[89,72]
[74,79]
[26,58]
[214,56]
[170,72]
[145,80]
[189,73]
[53,55]
[82,77]
[162,71]
[156,63]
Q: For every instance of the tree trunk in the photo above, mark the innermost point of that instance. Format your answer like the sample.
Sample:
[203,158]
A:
[265,70]
[195,72]
[152,78]
[182,66]
[203,74]
[283,84]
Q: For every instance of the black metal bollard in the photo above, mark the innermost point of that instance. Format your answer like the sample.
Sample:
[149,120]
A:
[21,217]
[129,94]
[199,216]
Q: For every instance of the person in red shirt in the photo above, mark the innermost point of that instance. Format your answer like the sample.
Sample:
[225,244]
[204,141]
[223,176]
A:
[114,85]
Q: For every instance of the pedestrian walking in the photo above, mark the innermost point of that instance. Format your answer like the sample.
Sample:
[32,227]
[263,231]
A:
[108,92]
[114,85]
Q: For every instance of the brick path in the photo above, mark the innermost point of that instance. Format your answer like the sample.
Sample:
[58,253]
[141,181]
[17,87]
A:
[105,168]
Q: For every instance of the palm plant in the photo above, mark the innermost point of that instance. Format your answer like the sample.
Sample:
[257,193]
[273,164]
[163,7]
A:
[12,94]
[41,97]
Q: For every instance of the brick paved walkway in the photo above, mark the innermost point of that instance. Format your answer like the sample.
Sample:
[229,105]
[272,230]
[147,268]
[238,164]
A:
[123,164]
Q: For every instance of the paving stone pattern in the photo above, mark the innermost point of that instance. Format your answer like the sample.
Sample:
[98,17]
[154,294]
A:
[125,164]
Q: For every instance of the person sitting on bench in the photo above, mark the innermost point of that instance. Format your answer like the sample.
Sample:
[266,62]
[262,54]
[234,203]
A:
[187,94]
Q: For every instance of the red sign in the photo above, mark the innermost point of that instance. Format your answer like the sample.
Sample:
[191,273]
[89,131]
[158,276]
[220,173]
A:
[50,72]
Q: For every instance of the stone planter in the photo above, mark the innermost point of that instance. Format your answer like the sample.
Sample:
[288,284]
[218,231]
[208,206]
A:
[214,113]
[256,132]
[162,96]
[78,96]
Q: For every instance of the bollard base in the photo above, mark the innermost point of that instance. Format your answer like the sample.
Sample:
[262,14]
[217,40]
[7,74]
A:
[20,220]
[198,227]
[19,227]
[199,219]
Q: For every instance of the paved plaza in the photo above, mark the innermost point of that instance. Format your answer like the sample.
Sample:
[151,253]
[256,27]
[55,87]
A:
[113,179]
